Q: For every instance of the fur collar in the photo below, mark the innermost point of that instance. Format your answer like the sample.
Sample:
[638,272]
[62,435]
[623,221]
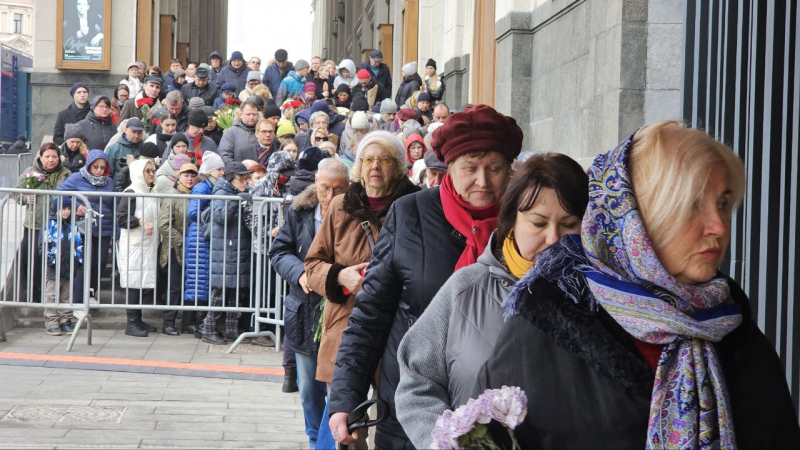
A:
[306,199]
[355,200]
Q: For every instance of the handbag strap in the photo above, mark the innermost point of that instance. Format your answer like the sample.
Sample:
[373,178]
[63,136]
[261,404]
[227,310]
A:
[368,231]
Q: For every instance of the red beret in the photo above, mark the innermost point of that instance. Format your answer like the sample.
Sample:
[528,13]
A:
[475,129]
[407,113]
[362,74]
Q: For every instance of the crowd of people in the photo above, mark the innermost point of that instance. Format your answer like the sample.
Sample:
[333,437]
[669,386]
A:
[426,258]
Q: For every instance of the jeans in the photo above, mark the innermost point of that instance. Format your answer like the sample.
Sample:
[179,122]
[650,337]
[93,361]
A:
[312,396]
[325,439]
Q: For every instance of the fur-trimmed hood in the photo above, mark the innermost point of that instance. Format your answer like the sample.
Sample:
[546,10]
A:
[355,200]
[306,199]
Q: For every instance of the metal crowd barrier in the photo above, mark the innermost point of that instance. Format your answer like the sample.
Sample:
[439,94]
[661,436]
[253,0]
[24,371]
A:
[11,166]
[263,298]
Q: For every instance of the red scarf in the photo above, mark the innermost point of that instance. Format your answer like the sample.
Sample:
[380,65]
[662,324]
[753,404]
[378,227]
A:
[476,224]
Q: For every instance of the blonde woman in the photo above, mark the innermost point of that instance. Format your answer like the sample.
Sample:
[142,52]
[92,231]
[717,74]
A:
[433,85]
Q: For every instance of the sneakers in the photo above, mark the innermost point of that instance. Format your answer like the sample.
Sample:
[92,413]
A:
[214,339]
[54,332]
[263,341]
[67,327]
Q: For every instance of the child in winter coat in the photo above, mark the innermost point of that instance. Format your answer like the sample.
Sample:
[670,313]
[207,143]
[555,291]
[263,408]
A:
[64,246]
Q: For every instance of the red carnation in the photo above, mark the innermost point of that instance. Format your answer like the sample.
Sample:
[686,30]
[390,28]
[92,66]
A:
[144,101]
[233,101]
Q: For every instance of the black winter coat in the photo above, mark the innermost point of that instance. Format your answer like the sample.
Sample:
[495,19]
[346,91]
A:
[230,241]
[407,88]
[589,386]
[416,253]
[71,114]
[71,160]
[384,78]
[288,251]
[18,148]
[207,93]
[97,132]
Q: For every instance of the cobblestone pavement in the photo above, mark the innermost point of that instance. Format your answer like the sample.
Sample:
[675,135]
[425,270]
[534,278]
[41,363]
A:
[54,399]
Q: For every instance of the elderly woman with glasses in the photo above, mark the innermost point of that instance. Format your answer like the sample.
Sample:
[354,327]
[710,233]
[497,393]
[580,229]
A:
[338,257]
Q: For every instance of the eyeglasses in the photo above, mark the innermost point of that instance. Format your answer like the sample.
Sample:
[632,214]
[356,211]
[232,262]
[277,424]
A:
[265,131]
[321,139]
[325,189]
[385,162]
[149,171]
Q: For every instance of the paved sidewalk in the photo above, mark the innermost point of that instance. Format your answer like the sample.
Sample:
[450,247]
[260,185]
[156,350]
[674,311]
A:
[48,400]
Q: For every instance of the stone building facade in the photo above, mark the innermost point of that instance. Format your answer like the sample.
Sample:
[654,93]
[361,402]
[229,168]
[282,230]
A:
[17,25]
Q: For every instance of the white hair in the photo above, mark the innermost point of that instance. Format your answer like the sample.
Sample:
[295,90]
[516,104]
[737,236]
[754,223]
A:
[334,167]
[386,140]
[319,114]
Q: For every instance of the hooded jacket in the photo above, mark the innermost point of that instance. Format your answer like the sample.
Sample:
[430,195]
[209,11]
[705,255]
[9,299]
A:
[230,241]
[137,253]
[383,78]
[351,80]
[408,86]
[238,143]
[73,161]
[101,226]
[35,216]
[235,76]
[97,131]
[290,87]
[411,139]
[287,253]
[118,153]
[343,88]
[71,114]
[212,72]
[274,75]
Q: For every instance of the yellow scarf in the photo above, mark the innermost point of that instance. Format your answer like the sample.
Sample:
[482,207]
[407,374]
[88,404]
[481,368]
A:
[517,265]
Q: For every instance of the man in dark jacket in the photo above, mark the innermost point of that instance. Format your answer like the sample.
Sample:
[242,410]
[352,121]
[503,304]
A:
[286,255]
[277,72]
[169,77]
[215,61]
[380,72]
[411,83]
[74,113]
[200,87]
[18,147]
[235,72]
[174,103]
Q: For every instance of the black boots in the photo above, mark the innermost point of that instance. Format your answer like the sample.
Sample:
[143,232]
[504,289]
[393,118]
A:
[289,381]
[134,320]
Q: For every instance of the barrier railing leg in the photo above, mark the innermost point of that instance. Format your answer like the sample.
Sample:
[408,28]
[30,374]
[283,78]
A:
[2,326]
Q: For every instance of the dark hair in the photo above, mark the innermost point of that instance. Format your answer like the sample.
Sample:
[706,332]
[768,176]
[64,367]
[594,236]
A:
[48,146]
[549,170]
[251,104]
[121,87]
[152,68]
[103,99]
[166,115]
[289,142]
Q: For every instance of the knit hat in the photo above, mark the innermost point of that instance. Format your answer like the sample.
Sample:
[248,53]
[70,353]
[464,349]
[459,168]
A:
[228,87]
[301,64]
[285,128]
[179,73]
[362,74]
[281,55]
[423,97]
[310,158]
[411,127]
[149,150]
[477,128]
[179,160]
[388,106]
[196,102]
[359,103]
[188,167]
[178,137]
[211,162]
[310,87]
[73,130]
[253,75]
[409,68]
[430,63]
[237,55]
[77,86]
[271,109]
[201,72]
[406,113]
[376,55]
[209,110]
[320,105]
[359,121]
[198,117]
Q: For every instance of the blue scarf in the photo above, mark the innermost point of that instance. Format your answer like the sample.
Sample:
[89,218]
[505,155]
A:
[92,179]
[689,408]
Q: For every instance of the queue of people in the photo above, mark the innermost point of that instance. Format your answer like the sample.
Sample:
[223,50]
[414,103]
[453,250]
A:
[426,259]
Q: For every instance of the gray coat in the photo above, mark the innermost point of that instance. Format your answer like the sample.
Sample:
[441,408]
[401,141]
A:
[238,143]
[441,355]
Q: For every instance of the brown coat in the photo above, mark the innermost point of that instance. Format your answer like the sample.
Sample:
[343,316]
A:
[342,242]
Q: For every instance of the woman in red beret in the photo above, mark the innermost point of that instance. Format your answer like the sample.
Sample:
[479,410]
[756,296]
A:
[425,238]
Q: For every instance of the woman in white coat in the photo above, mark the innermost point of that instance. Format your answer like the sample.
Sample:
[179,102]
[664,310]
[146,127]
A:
[137,250]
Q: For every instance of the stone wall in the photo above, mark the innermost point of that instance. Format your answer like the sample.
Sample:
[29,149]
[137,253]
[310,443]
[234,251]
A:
[580,75]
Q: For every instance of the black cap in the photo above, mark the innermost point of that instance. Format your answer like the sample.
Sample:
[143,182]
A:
[155,79]
[135,124]
[198,118]
[359,103]
[310,158]
[376,55]
[201,72]
[236,168]
[281,55]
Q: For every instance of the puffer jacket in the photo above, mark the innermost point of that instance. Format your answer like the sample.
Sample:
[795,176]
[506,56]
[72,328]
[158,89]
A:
[235,76]
[441,356]
[230,241]
[408,86]
[35,215]
[97,132]
[73,161]
[68,115]
[288,251]
[415,254]
[238,143]
[101,226]
[137,253]
[291,86]
[198,250]
[274,75]
[342,242]
[207,93]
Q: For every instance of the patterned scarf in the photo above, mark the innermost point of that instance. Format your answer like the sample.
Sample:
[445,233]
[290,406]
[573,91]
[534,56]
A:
[689,407]
[93,179]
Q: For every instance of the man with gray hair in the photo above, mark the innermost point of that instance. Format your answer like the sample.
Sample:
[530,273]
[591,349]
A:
[286,255]
[173,103]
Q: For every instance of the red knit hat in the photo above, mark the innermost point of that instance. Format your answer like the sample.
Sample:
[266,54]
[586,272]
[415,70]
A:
[362,74]
[477,128]
[407,113]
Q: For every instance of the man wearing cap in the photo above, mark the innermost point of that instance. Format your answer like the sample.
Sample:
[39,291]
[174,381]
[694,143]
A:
[294,83]
[239,140]
[145,103]
[128,144]
[279,70]
[368,88]
[74,113]
[435,170]
[253,80]
[380,71]
[200,87]
[235,72]
[388,114]
[169,77]
[73,151]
